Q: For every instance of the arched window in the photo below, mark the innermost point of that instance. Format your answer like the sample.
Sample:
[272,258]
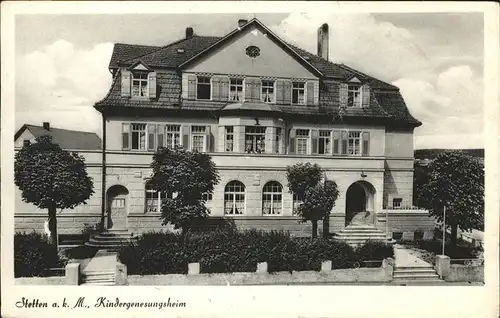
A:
[153,199]
[272,194]
[234,198]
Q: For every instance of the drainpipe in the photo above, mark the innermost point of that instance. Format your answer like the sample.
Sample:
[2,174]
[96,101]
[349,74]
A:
[103,183]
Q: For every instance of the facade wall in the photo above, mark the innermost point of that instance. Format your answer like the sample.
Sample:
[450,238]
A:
[26,135]
[398,182]
[399,143]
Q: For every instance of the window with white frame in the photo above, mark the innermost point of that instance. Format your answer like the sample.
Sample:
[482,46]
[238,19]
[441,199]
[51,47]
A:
[396,203]
[207,196]
[153,199]
[354,143]
[302,141]
[255,137]
[324,142]
[296,203]
[272,194]
[278,140]
[229,138]
[267,91]
[139,136]
[172,135]
[298,93]
[353,96]
[139,84]
[198,136]
[236,89]
[234,198]
[203,87]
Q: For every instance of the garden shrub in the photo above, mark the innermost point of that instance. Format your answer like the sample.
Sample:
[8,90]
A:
[221,251]
[397,235]
[418,235]
[33,254]
[373,251]
[435,246]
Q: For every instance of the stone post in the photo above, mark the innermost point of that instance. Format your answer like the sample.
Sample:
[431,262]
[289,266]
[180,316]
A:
[193,268]
[326,266]
[72,273]
[121,274]
[262,268]
[388,265]
[443,264]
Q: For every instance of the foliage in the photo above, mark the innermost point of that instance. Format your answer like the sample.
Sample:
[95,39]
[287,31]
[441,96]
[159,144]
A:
[435,246]
[221,251]
[51,178]
[188,174]
[80,252]
[374,250]
[433,153]
[33,254]
[420,179]
[456,180]
[88,229]
[318,198]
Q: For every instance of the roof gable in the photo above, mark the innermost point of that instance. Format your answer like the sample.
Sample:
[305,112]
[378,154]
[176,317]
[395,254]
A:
[66,139]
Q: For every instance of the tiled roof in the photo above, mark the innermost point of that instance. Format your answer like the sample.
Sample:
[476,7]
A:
[123,52]
[393,103]
[66,139]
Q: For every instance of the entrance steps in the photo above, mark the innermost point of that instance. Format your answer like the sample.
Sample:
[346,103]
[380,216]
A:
[416,274]
[99,277]
[111,240]
[358,234]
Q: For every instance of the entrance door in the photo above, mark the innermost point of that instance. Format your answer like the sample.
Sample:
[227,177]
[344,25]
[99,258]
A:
[360,203]
[117,207]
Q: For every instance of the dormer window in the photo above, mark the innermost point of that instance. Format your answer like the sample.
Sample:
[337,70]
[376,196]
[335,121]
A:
[139,84]
[353,95]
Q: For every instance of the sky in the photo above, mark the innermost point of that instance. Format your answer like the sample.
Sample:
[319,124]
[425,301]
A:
[436,59]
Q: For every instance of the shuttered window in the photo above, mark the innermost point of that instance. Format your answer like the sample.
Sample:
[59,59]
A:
[236,89]
[139,84]
[353,96]
[298,93]
[302,141]
[198,135]
[203,87]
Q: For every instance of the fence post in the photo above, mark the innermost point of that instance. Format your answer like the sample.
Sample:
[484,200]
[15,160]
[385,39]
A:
[262,268]
[72,273]
[388,265]
[193,268]
[443,264]
[121,274]
[326,266]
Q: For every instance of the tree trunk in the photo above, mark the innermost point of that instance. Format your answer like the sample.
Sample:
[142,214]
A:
[326,226]
[314,229]
[52,225]
[454,233]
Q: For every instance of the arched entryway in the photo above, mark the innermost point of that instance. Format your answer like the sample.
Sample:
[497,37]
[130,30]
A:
[360,203]
[117,196]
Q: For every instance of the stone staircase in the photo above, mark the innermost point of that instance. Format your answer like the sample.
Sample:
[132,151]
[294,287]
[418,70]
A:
[111,240]
[357,234]
[104,277]
[416,274]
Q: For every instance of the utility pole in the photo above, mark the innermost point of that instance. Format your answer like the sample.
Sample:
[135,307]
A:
[444,227]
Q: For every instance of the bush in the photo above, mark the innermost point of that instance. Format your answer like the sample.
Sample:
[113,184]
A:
[220,251]
[33,254]
[435,246]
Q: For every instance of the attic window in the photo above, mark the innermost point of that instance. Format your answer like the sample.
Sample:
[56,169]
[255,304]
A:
[180,51]
[253,51]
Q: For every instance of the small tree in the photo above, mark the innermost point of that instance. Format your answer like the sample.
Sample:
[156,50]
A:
[456,180]
[51,178]
[318,198]
[184,176]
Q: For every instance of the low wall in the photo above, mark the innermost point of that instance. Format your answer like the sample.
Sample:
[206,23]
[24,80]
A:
[53,280]
[465,273]
[360,275]
[407,222]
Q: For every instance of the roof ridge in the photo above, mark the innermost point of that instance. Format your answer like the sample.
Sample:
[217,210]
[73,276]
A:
[346,67]
[159,48]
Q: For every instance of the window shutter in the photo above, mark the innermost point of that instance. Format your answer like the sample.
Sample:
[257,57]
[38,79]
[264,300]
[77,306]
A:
[216,88]
[256,89]
[208,140]
[159,132]
[366,143]
[152,84]
[279,91]
[224,88]
[287,92]
[125,136]
[336,142]
[344,142]
[310,93]
[185,136]
[126,75]
[343,95]
[151,137]
[291,143]
[191,86]
[314,141]
[248,89]
[365,95]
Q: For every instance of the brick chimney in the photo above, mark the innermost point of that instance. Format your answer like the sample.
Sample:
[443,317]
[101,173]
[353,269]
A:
[189,32]
[46,125]
[323,37]
[242,22]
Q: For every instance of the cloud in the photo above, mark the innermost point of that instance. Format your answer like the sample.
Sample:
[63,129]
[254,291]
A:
[60,83]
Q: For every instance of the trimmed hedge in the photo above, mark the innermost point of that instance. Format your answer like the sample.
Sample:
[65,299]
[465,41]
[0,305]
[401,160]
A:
[33,254]
[233,251]
[435,246]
